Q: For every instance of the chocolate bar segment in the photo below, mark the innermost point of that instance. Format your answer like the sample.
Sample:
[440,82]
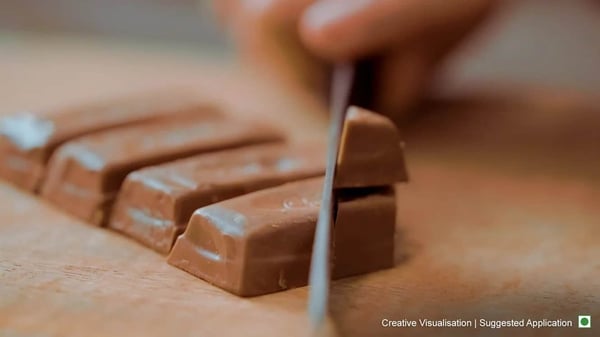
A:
[27,141]
[156,203]
[370,152]
[261,242]
[85,175]
[364,230]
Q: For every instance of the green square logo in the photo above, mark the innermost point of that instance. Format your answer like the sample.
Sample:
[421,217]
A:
[585,321]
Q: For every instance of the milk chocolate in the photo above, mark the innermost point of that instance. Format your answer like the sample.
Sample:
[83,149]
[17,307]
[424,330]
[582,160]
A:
[370,153]
[363,234]
[85,175]
[155,204]
[261,242]
[27,141]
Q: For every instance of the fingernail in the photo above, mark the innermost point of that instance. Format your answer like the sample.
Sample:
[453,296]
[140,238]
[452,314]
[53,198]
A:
[327,12]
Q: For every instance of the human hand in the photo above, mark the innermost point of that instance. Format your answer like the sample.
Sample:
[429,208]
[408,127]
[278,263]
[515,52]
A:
[298,39]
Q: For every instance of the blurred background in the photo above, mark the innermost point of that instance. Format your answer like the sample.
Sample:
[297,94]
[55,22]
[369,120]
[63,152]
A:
[179,21]
[532,41]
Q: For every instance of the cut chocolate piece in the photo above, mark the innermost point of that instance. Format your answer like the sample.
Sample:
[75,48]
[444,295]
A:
[27,141]
[85,175]
[370,151]
[261,242]
[156,203]
[363,234]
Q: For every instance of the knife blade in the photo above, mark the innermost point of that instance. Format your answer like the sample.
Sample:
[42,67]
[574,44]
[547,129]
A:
[319,278]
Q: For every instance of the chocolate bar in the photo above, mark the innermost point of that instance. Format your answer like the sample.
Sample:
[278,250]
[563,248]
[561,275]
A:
[363,233]
[156,203]
[85,175]
[261,242]
[27,141]
[370,152]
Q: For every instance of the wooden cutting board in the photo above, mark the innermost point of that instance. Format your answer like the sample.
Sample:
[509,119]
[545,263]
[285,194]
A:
[501,219]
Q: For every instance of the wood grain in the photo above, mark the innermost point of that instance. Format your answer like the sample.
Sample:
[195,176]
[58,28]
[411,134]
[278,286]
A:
[500,220]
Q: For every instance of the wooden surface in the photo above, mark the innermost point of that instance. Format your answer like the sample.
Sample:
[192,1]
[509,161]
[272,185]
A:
[501,218]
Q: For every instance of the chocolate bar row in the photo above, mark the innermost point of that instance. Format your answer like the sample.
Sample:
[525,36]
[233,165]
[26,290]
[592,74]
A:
[261,242]
[28,140]
[158,166]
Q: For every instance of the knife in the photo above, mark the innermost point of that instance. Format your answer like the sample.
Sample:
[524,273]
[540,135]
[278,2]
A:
[351,83]
[343,76]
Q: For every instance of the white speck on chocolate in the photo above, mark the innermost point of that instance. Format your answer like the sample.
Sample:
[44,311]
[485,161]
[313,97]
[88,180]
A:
[182,181]
[287,164]
[252,168]
[76,191]
[26,130]
[227,221]
[208,254]
[142,217]
[83,155]
[150,182]
[296,203]
[282,281]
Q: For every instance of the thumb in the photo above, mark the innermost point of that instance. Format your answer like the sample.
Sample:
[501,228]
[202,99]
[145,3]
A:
[343,30]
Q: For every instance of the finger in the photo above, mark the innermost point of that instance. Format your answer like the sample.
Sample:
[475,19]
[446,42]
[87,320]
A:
[347,29]
[280,11]
[403,78]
